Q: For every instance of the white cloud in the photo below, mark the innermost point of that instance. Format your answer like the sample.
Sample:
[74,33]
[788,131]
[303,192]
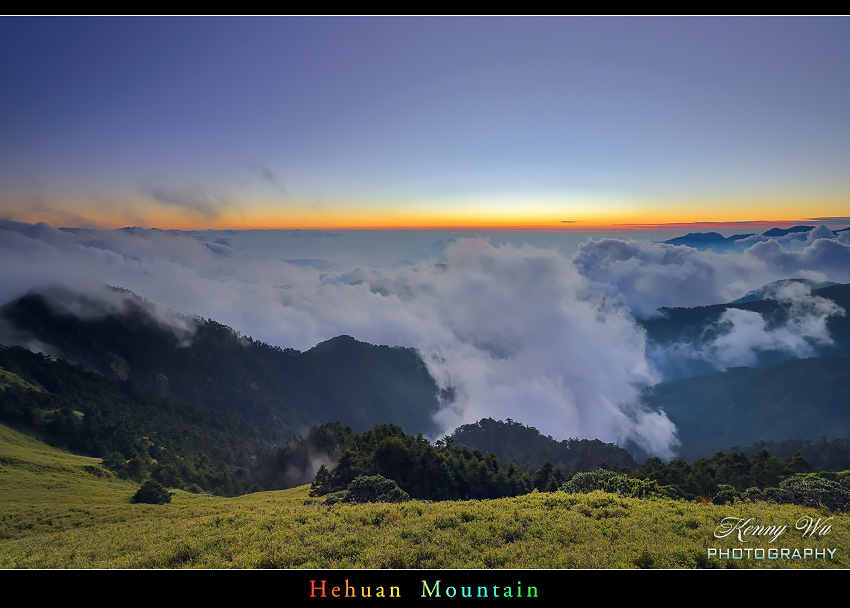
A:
[743,335]
[651,275]
[517,331]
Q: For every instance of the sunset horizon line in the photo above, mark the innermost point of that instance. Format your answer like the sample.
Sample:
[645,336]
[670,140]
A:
[567,227]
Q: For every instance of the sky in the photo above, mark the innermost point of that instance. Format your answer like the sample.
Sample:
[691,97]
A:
[552,123]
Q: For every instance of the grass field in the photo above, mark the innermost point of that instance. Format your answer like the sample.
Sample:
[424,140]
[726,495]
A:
[59,510]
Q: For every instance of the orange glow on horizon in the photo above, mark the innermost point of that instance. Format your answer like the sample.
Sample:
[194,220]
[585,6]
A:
[577,226]
[648,218]
[696,226]
[647,222]
[572,218]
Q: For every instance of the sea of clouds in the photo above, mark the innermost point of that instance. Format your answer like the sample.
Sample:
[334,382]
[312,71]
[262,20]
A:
[529,332]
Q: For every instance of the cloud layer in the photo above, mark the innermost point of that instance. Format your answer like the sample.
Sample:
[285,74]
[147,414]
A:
[740,337]
[647,276]
[514,331]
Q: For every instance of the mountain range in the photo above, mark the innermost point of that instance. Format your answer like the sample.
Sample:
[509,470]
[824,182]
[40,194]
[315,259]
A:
[202,361]
[119,374]
[718,242]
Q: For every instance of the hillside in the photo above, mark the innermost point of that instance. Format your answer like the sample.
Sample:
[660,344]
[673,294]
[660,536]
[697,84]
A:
[139,433]
[204,362]
[199,406]
[61,511]
[803,398]
[769,291]
[512,441]
[698,324]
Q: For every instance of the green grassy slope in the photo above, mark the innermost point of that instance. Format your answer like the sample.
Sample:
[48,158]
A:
[8,378]
[58,510]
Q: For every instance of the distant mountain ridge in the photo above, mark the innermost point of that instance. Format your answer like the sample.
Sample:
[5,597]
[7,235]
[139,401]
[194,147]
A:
[693,239]
[171,360]
[782,398]
[769,291]
[784,231]
[210,364]
[715,240]
[699,324]
[798,398]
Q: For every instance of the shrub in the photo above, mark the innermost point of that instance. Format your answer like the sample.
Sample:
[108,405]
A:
[753,494]
[779,495]
[375,488]
[335,497]
[151,492]
[587,481]
[611,481]
[813,491]
[726,494]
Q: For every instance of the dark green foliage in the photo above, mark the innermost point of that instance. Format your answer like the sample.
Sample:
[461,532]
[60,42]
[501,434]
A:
[826,454]
[511,440]
[796,464]
[612,481]
[779,495]
[151,492]
[341,379]
[588,481]
[424,471]
[814,491]
[548,478]
[730,471]
[803,398]
[375,488]
[135,432]
[323,479]
[726,494]
[727,476]
[335,497]
[753,494]
[766,469]
[116,463]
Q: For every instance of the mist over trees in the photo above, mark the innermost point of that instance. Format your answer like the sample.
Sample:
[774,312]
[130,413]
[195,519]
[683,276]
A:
[205,362]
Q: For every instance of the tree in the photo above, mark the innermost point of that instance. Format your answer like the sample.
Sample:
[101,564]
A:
[322,482]
[151,492]
[796,464]
[116,463]
[766,469]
